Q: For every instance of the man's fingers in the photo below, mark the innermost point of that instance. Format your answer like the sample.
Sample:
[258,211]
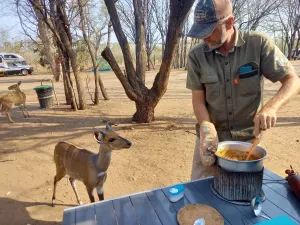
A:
[263,122]
[212,148]
[273,121]
[269,122]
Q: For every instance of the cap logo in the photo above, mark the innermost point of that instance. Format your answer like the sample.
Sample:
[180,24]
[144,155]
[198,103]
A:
[200,15]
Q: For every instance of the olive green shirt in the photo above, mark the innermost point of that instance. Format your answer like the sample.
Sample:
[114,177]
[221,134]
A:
[233,83]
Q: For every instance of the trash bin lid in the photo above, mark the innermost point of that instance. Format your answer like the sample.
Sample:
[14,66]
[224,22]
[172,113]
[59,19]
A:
[43,87]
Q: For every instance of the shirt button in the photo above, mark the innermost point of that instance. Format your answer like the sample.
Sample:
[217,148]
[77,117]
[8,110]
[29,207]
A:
[226,63]
[230,113]
[229,97]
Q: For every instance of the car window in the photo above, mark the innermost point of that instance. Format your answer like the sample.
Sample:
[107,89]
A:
[10,57]
[1,60]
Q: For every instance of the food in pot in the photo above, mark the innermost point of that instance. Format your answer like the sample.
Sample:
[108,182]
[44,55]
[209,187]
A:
[235,155]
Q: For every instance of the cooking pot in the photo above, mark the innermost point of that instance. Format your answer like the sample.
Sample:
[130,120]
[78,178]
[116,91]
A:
[241,166]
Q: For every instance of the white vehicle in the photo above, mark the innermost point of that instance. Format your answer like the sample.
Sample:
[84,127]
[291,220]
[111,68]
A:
[10,58]
[14,64]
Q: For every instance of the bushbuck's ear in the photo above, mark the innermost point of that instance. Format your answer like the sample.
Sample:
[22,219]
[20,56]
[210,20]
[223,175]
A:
[98,135]
[19,83]
[12,86]
[108,127]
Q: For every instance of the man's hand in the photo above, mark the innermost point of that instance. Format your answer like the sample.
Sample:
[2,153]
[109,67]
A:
[208,143]
[264,120]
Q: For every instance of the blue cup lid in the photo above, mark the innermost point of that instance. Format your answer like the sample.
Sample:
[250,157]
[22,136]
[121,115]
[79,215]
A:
[176,189]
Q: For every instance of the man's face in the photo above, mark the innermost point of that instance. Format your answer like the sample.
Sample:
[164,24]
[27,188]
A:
[217,37]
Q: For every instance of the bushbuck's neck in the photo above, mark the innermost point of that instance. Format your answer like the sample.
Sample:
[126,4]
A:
[17,89]
[104,157]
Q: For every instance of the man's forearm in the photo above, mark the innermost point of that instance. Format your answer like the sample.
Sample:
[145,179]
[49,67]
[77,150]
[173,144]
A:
[290,87]
[200,111]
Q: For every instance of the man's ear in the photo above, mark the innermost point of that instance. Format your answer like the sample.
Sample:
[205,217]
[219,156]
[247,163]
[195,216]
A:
[229,22]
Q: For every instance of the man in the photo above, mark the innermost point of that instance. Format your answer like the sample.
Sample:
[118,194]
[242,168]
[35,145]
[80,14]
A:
[225,74]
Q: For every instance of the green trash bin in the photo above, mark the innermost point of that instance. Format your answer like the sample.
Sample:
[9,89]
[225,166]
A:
[45,95]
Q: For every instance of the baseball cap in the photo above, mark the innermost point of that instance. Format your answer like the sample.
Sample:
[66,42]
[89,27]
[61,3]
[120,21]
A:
[207,15]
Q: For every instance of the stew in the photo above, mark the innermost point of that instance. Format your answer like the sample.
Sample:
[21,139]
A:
[235,155]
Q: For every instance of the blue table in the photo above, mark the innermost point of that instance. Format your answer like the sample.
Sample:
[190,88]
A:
[154,208]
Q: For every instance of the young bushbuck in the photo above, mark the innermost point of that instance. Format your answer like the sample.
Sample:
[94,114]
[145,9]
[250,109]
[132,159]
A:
[88,167]
[13,98]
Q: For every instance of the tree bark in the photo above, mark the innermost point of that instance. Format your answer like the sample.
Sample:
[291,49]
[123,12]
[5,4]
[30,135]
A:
[144,111]
[65,35]
[45,38]
[140,44]
[109,31]
[181,50]
[184,51]
[69,91]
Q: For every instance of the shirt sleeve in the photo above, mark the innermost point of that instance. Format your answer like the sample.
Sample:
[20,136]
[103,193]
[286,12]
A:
[193,74]
[274,64]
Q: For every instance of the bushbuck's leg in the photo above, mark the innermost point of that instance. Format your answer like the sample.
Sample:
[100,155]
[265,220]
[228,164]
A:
[22,109]
[73,183]
[7,112]
[8,116]
[90,193]
[25,108]
[100,193]
[59,175]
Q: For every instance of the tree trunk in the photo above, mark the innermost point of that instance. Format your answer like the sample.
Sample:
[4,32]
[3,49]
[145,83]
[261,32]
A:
[70,96]
[109,30]
[93,55]
[184,51]
[102,88]
[140,45]
[45,37]
[153,67]
[148,62]
[96,77]
[162,49]
[181,51]
[144,98]
[144,112]
[65,35]
[57,69]
[67,94]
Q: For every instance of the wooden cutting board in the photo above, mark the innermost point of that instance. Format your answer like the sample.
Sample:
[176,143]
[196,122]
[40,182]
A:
[189,213]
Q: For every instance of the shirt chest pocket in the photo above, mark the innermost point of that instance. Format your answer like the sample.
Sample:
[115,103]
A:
[212,86]
[249,83]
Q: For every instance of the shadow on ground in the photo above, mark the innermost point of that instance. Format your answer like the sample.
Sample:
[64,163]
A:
[15,212]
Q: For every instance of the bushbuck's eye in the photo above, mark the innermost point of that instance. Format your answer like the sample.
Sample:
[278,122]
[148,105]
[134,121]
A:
[111,139]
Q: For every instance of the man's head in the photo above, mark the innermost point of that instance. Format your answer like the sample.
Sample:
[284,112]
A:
[212,20]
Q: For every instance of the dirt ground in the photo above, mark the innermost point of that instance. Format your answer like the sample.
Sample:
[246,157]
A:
[161,153]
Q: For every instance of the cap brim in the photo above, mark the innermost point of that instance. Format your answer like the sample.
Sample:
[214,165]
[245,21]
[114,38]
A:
[202,30]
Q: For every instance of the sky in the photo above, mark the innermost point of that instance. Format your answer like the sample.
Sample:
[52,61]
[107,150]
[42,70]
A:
[10,21]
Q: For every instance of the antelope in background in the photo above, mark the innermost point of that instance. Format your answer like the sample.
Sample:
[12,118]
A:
[12,98]
[88,167]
